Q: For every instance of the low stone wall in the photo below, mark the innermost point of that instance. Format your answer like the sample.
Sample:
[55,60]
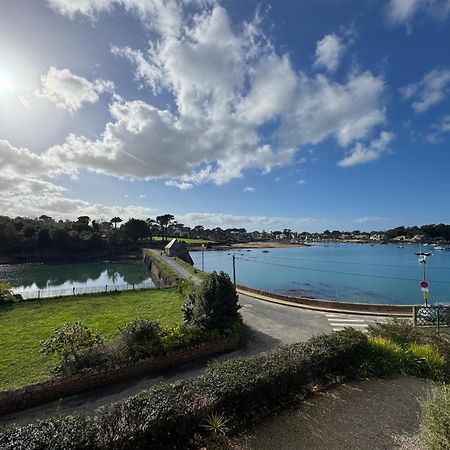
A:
[329,305]
[56,388]
[159,276]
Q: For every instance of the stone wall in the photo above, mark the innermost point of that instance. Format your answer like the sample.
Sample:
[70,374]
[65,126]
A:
[56,388]
[330,305]
[161,278]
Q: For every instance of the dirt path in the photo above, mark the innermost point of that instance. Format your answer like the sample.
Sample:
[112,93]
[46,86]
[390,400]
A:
[367,415]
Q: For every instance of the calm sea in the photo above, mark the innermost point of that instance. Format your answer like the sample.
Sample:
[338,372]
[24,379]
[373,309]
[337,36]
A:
[346,272]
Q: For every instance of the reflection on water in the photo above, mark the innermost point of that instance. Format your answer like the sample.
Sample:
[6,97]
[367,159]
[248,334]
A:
[23,277]
[347,272]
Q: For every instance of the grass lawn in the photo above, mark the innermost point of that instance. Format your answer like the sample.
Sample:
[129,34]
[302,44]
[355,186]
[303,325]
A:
[23,325]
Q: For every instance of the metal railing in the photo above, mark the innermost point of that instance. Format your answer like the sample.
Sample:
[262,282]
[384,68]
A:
[433,315]
[74,291]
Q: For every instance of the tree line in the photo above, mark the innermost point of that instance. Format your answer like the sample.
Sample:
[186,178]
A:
[23,235]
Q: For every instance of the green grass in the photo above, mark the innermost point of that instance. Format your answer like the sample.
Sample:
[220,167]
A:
[197,272]
[185,240]
[24,324]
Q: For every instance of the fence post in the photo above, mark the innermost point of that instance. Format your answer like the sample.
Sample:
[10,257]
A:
[106,288]
[133,286]
[415,315]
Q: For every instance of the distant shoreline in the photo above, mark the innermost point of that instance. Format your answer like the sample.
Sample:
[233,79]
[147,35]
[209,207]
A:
[254,245]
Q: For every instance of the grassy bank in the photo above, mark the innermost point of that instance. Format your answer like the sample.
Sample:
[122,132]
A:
[23,325]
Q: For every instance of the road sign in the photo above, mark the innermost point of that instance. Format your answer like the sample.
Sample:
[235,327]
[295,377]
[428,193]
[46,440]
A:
[424,284]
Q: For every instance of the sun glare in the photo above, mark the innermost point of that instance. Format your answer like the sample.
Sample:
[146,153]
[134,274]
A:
[6,84]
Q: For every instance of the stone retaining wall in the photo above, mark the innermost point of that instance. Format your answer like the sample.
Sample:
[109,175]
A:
[330,305]
[159,276]
[56,388]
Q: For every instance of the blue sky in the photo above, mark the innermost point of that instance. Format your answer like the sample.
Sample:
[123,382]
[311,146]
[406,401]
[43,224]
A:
[309,115]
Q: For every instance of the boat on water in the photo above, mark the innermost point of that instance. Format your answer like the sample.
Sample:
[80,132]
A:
[439,248]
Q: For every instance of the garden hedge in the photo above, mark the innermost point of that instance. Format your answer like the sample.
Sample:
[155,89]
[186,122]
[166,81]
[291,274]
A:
[167,416]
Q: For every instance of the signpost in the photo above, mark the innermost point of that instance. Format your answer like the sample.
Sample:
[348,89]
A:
[424,284]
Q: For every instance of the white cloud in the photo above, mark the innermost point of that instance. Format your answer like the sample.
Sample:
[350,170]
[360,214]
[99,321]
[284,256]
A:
[324,109]
[58,206]
[162,15]
[226,82]
[301,182]
[329,52]
[431,90]
[371,219]
[22,171]
[249,189]
[439,129]
[69,91]
[142,196]
[365,153]
[212,220]
[404,11]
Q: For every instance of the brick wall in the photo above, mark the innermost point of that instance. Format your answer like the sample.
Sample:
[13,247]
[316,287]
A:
[56,388]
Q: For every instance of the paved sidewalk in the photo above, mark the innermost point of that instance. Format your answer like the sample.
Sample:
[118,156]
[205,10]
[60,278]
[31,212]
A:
[364,415]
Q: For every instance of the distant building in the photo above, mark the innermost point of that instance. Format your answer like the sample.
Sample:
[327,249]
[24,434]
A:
[178,249]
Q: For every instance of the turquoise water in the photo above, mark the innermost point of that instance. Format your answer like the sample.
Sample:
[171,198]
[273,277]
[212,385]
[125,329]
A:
[346,272]
[33,277]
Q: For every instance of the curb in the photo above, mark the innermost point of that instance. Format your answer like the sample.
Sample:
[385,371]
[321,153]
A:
[347,308]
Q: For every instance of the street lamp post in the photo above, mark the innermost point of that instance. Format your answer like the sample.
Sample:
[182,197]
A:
[424,284]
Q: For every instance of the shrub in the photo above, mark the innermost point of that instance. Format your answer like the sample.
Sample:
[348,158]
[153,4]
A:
[6,296]
[169,416]
[142,338]
[69,343]
[70,432]
[385,357]
[435,347]
[388,358]
[435,420]
[213,305]
[433,363]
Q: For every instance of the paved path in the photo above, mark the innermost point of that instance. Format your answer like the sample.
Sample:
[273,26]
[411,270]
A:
[365,415]
[269,325]
[173,264]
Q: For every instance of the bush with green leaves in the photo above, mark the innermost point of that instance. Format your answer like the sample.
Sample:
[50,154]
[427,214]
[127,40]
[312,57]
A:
[423,352]
[69,343]
[213,305]
[169,416]
[435,420]
[6,295]
[387,358]
[142,338]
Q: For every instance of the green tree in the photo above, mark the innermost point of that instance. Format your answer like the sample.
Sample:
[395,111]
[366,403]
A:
[213,305]
[115,221]
[29,231]
[136,229]
[84,220]
[6,295]
[43,238]
[164,221]
[69,343]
